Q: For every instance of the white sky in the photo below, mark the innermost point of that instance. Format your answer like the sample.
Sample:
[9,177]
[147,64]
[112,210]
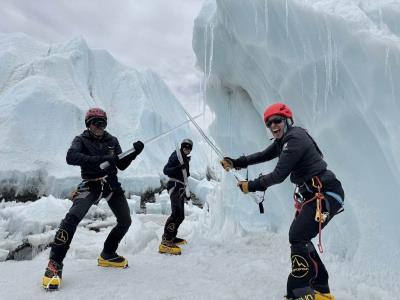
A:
[154,34]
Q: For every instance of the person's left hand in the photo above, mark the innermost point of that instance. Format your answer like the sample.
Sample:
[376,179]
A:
[244,186]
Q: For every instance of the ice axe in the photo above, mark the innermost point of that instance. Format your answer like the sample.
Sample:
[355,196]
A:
[122,155]
[219,153]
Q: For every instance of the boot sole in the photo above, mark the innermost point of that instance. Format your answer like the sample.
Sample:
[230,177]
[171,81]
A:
[51,288]
[107,264]
[48,286]
[169,253]
[163,249]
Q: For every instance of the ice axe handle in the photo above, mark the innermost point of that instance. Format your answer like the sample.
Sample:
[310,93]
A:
[106,164]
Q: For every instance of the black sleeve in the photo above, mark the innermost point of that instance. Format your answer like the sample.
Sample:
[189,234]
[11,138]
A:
[173,166]
[76,157]
[292,151]
[122,164]
[271,152]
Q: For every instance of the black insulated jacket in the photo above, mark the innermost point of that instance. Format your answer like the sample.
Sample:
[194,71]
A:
[89,152]
[173,167]
[299,157]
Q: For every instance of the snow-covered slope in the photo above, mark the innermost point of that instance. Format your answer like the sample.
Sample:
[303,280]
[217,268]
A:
[44,93]
[337,64]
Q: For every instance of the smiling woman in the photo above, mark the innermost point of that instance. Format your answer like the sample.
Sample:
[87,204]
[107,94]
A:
[320,197]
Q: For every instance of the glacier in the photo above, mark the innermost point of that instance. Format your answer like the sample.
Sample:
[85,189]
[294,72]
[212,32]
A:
[336,64]
[45,91]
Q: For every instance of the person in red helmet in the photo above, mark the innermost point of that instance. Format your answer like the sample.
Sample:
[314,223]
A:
[88,150]
[319,196]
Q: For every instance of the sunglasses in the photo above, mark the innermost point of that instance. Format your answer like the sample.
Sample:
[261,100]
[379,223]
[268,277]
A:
[187,146]
[99,123]
[276,120]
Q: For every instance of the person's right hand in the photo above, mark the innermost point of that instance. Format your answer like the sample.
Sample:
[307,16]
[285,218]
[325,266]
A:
[227,163]
[111,158]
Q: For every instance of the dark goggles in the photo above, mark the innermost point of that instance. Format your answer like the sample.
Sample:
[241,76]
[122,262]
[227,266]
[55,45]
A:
[187,146]
[99,123]
[276,120]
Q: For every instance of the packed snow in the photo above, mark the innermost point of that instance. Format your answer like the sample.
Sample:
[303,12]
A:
[335,63]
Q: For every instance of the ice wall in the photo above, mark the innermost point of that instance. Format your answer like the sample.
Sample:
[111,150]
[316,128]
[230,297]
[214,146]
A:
[45,91]
[336,64]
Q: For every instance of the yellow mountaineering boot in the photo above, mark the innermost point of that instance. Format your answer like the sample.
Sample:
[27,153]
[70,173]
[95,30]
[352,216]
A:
[52,276]
[169,247]
[320,296]
[112,260]
[179,241]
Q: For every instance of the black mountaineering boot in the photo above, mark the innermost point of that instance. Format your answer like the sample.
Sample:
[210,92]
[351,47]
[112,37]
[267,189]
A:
[112,260]
[52,276]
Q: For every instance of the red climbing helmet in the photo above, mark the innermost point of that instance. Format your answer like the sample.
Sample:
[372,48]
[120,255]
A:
[95,113]
[278,109]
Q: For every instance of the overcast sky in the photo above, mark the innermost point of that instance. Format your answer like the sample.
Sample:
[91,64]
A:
[154,34]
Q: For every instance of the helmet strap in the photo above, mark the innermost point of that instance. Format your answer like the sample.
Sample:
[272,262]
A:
[288,124]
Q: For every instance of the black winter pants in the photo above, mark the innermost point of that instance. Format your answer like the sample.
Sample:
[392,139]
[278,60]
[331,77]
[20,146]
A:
[308,271]
[81,204]
[178,213]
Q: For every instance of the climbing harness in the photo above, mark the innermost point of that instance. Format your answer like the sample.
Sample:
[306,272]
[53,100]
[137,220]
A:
[83,187]
[320,216]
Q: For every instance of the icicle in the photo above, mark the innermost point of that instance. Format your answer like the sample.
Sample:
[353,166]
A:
[256,18]
[266,17]
[231,133]
[205,62]
[388,73]
[315,93]
[381,24]
[328,67]
[211,50]
[287,17]
[336,54]
[387,60]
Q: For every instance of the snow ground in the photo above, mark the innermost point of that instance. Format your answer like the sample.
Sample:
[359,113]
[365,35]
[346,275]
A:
[249,265]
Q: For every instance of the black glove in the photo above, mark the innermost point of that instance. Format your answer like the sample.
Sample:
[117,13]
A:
[111,158]
[138,146]
[255,185]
